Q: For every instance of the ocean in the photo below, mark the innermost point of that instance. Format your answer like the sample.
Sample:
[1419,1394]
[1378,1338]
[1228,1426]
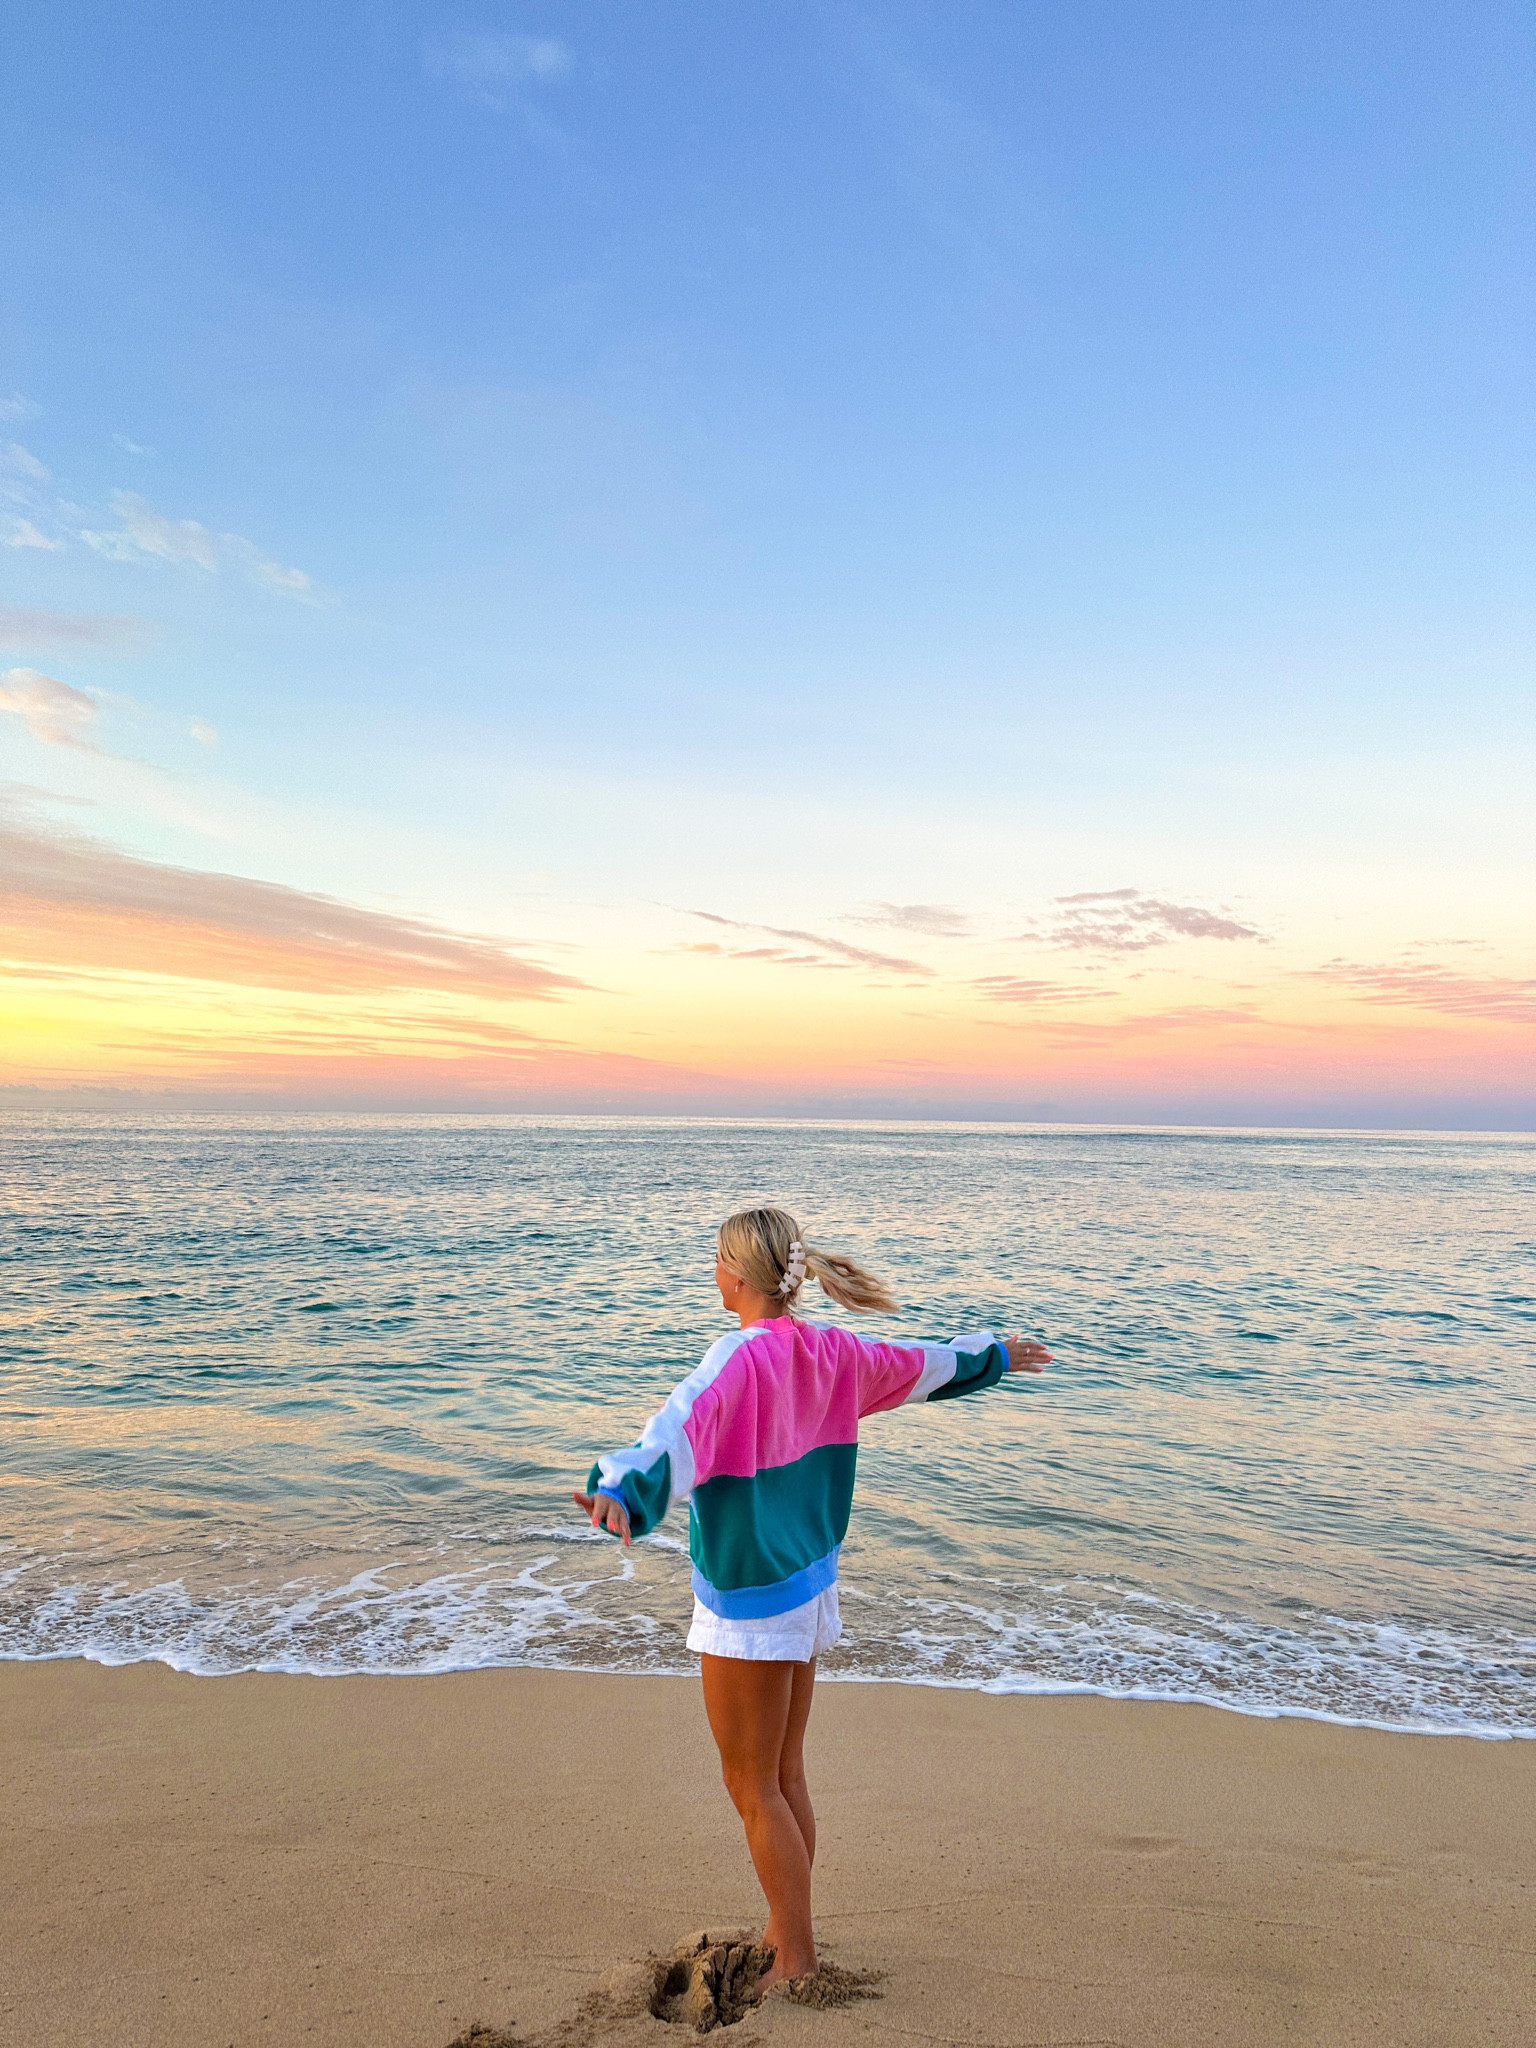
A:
[310,1393]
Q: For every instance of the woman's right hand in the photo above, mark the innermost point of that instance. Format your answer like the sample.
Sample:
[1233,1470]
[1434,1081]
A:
[605,1512]
[1025,1355]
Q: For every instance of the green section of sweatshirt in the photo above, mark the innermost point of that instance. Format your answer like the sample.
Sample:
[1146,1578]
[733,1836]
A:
[754,1532]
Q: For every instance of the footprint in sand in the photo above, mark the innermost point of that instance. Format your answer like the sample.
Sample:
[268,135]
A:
[708,1981]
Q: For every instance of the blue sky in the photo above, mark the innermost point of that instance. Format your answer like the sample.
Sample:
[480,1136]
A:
[581,459]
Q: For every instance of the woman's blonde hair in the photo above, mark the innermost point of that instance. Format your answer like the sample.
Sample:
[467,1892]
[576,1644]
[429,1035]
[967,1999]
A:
[758,1245]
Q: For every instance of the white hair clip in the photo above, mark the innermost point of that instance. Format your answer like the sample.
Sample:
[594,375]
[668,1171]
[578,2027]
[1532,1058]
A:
[794,1272]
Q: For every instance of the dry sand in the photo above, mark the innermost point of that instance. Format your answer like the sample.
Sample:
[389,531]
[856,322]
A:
[380,1862]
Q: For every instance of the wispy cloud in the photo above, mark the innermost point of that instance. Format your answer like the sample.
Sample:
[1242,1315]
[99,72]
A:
[23,534]
[25,797]
[138,532]
[1126,921]
[16,407]
[78,903]
[929,920]
[1013,988]
[142,531]
[266,574]
[56,713]
[25,488]
[130,447]
[779,954]
[22,462]
[493,69]
[117,631]
[1500,998]
[60,715]
[143,534]
[825,951]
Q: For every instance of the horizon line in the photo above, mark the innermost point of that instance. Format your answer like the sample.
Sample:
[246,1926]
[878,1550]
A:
[1129,1125]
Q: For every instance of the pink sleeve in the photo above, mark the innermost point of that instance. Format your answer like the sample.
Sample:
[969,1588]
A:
[887,1374]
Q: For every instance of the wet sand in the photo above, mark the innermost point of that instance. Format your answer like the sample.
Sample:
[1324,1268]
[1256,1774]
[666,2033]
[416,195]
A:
[216,1863]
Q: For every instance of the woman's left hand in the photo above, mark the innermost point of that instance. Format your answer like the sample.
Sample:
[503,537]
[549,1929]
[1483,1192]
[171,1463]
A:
[605,1512]
[1025,1355]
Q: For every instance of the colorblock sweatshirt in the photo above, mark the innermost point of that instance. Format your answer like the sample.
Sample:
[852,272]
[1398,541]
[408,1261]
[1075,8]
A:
[761,1439]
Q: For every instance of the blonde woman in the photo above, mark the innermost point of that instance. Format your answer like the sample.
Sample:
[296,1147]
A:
[761,1438]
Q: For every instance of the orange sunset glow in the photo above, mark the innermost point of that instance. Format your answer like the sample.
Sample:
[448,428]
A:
[128,974]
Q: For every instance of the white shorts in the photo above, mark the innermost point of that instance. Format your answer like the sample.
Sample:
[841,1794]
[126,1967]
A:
[791,1638]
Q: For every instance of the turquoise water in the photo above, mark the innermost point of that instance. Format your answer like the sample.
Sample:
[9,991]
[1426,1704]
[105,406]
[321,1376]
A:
[309,1394]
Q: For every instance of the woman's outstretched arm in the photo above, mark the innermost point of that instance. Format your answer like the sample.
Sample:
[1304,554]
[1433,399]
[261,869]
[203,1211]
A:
[893,1374]
[628,1492]
[980,1362]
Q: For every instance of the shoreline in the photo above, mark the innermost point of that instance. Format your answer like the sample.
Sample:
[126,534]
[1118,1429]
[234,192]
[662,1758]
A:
[986,1689]
[383,1860]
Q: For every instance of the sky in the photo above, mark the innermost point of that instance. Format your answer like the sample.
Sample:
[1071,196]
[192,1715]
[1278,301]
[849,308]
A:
[954,560]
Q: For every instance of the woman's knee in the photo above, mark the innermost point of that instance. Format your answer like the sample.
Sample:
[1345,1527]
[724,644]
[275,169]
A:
[792,1781]
[750,1787]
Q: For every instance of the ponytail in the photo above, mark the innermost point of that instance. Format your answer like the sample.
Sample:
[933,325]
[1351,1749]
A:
[764,1247]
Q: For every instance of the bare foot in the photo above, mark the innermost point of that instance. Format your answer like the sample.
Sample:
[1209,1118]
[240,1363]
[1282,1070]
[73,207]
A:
[784,1968]
[829,1984]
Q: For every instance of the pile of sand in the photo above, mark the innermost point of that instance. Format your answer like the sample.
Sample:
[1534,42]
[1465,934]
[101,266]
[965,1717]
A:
[710,1980]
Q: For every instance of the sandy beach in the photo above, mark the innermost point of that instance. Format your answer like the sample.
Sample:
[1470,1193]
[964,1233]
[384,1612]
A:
[213,1863]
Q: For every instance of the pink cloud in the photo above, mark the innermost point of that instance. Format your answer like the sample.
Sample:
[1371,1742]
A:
[1500,998]
[929,920]
[56,713]
[1126,921]
[78,903]
[1013,988]
[827,951]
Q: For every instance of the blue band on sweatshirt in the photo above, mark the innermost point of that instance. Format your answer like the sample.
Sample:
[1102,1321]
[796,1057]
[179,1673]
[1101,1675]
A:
[748,1603]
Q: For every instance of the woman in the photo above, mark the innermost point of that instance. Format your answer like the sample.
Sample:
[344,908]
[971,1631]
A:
[761,1438]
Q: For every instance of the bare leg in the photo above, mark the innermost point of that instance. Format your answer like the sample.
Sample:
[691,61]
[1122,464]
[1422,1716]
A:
[792,1758]
[749,1702]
